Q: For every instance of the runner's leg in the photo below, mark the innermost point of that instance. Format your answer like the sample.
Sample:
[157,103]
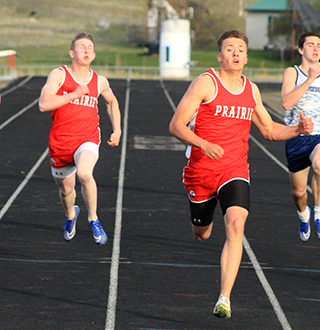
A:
[85,163]
[67,194]
[234,219]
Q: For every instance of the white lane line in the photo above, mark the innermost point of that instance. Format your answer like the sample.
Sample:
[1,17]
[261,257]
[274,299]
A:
[23,184]
[275,304]
[23,82]
[267,287]
[263,280]
[276,160]
[34,168]
[114,270]
[269,154]
[174,108]
[19,113]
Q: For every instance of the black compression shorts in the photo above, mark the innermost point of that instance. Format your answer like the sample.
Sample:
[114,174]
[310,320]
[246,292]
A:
[234,193]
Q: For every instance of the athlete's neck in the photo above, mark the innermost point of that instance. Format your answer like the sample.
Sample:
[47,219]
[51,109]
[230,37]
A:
[305,65]
[233,80]
[81,73]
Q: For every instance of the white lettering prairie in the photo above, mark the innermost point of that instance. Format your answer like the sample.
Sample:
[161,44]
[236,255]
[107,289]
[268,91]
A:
[85,100]
[231,112]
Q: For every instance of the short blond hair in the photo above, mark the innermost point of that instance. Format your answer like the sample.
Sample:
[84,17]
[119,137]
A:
[81,35]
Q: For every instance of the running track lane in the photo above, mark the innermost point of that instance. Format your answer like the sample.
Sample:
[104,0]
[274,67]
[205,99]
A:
[166,280]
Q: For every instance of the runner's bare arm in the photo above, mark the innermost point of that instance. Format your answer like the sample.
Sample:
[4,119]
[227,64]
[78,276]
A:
[48,98]
[290,95]
[201,89]
[271,130]
[113,111]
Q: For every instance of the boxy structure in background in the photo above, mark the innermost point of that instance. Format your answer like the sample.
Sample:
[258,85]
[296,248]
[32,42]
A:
[174,48]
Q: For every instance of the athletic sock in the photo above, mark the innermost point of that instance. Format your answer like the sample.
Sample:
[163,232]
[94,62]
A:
[305,215]
[316,212]
[223,297]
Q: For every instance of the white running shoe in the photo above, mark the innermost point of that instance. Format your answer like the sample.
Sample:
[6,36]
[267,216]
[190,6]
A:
[222,308]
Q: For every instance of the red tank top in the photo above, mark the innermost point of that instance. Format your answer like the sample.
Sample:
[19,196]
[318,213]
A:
[78,121]
[225,120]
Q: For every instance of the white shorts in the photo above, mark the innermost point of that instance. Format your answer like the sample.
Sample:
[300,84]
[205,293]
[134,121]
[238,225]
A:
[64,172]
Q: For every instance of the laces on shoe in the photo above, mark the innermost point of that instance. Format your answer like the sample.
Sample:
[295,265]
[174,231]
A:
[68,225]
[304,227]
[97,228]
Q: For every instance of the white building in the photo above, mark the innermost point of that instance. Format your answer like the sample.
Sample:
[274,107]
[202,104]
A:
[259,16]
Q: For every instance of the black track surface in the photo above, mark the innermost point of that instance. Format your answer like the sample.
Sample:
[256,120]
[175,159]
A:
[166,279]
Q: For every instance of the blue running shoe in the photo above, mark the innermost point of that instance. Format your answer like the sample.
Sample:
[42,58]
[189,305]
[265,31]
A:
[304,228]
[69,228]
[99,235]
[317,222]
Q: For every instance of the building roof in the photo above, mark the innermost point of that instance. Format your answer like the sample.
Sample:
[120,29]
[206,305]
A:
[309,16]
[269,6]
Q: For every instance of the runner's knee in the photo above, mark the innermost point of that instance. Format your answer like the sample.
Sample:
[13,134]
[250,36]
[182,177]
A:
[201,233]
[298,193]
[84,177]
[235,228]
[316,167]
[66,187]
[66,191]
[235,219]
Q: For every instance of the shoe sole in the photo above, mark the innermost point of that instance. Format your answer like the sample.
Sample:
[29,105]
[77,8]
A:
[222,311]
[304,237]
[100,243]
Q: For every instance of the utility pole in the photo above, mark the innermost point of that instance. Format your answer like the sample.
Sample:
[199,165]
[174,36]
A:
[293,33]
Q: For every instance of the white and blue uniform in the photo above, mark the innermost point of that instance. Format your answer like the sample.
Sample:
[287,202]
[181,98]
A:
[299,148]
[309,104]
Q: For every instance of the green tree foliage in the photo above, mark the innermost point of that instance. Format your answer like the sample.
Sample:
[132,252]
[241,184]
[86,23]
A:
[203,26]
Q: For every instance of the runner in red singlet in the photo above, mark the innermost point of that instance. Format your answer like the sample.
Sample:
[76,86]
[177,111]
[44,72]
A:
[71,94]
[213,119]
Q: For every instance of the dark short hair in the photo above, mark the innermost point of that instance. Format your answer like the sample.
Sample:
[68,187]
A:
[231,34]
[82,35]
[303,37]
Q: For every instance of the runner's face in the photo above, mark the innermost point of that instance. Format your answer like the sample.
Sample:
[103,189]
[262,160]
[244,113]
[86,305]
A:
[233,54]
[311,49]
[83,51]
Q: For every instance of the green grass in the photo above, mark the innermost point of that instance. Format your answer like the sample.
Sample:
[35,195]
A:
[256,59]
[126,55]
[44,38]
